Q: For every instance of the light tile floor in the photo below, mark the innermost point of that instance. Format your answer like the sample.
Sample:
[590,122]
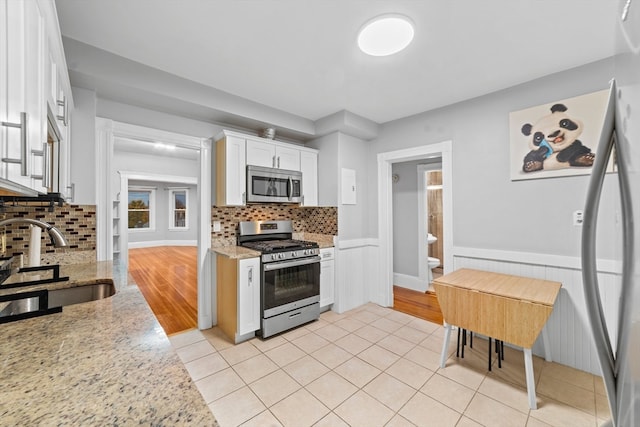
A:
[374,366]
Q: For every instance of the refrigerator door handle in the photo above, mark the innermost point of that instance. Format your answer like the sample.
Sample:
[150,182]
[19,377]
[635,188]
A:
[628,258]
[595,313]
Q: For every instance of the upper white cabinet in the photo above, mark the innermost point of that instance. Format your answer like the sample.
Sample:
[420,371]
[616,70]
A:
[272,155]
[30,43]
[234,151]
[22,84]
[231,178]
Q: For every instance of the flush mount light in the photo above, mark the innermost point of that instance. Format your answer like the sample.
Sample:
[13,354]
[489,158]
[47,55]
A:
[385,35]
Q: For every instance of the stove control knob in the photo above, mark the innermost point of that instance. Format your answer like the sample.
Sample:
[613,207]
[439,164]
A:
[281,255]
[294,254]
[273,257]
[306,252]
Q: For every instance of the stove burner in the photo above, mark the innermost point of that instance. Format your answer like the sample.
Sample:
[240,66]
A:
[270,246]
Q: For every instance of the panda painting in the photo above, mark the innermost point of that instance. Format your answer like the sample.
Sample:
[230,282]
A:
[553,140]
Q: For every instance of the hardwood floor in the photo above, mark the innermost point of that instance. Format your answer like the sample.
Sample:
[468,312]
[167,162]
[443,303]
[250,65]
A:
[419,304]
[168,278]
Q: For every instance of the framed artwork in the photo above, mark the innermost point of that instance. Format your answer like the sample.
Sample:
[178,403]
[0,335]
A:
[557,139]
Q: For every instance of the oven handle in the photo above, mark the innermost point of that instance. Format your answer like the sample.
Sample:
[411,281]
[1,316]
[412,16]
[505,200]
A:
[287,264]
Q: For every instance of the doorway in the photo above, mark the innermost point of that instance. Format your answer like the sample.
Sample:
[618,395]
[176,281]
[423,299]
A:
[430,220]
[160,231]
[384,294]
[107,131]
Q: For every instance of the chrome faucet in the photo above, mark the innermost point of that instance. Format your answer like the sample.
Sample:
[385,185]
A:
[57,238]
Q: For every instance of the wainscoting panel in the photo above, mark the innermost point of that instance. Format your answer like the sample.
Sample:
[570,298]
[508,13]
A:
[356,273]
[568,327]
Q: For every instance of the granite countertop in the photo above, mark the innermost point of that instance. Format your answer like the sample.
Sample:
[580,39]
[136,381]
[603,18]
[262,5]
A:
[229,249]
[235,252]
[106,362]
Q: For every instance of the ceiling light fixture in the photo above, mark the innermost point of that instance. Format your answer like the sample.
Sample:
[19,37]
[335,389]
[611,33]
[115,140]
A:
[385,35]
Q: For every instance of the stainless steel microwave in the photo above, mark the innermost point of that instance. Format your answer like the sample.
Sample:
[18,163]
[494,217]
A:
[266,185]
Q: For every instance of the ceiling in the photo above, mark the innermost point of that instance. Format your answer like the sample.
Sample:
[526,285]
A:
[291,63]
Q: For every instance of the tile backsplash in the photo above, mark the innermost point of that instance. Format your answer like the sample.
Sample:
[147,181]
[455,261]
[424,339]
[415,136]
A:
[76,222]
[318,220]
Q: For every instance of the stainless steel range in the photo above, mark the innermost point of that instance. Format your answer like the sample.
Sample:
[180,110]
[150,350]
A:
[290,280]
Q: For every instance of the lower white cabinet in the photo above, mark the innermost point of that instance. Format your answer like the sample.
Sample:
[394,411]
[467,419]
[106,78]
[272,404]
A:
[327,277]
[238,296]
[248,295]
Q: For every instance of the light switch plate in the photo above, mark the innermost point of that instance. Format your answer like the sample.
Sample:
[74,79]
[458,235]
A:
[216,226]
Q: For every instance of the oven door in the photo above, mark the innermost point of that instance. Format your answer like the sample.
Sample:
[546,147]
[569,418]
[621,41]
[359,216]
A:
[288,285]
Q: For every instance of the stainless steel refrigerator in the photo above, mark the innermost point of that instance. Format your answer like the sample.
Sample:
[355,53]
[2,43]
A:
[618,340]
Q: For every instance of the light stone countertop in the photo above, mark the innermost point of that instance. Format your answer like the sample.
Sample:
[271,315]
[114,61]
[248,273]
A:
[235,252]
[106,362]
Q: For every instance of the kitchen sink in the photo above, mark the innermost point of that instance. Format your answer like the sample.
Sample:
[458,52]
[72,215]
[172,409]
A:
[80,294]
[30,304]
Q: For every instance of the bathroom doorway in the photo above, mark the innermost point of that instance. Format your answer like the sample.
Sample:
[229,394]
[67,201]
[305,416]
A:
[431,221]
[383,292]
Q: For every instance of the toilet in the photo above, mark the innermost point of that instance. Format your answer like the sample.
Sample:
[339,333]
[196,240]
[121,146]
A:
[431,261]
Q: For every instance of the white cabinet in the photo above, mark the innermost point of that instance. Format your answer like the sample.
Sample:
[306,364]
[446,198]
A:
[327,277]
[272,155]
[231,177]
[59,104]
[309,169]
[248,295]
[234,151]
[30,49]
[238,296]
[22,80]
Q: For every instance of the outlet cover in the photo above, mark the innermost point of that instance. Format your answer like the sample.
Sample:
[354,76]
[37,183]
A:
[578,218]
[216,226]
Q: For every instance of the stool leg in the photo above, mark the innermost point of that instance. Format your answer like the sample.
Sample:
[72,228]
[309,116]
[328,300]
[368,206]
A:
[464,340]
[499,353]
[489,353]
[471,339]
[458,345]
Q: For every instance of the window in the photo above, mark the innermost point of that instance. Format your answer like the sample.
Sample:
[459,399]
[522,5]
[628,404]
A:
[178,202]
[140,208]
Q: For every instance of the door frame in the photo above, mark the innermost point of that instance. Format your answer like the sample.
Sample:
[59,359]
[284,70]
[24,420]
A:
[384,294]
[106,132]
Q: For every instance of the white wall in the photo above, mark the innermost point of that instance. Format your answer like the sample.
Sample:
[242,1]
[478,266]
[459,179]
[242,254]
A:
[405,218]
[489,210]
[140,116]
[353,220]
[521,227]
[338,151]
[328,171]
[83,148]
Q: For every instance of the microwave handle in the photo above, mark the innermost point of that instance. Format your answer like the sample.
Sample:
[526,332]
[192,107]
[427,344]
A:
[289,188]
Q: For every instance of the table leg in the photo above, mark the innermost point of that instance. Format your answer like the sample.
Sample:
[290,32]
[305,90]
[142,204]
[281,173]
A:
[445,344]
[531,385]
[547,345]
